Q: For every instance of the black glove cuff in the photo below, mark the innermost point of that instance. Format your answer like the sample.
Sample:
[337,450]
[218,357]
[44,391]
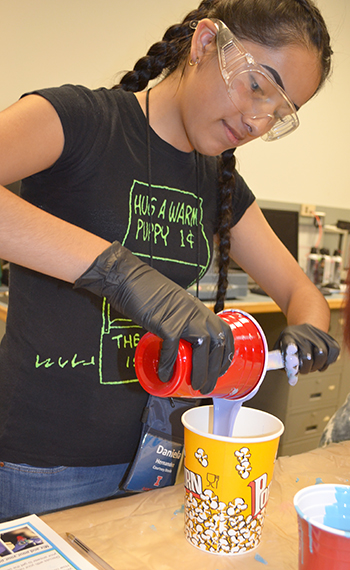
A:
[94,277]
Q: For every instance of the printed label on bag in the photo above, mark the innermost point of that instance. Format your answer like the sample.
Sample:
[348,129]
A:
[156,464]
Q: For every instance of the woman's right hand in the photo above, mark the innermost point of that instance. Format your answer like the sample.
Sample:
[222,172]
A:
[164,308]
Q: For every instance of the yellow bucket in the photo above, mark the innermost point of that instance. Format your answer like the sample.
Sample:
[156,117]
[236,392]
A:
[227,479]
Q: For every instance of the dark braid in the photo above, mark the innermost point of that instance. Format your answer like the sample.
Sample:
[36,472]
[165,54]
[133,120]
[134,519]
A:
[272,23]
[226,165]
[166,55]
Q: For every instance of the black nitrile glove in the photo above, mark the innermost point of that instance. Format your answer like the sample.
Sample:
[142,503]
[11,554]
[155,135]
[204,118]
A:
[160,306]
[305,349]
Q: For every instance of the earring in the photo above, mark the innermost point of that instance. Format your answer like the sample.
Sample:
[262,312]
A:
[191,62]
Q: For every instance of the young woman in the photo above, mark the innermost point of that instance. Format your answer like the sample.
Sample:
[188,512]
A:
[123,191]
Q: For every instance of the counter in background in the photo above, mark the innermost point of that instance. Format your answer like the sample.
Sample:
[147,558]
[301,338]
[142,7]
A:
[252,303]
[256,304]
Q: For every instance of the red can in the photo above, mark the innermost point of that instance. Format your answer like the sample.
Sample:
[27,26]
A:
[244,376]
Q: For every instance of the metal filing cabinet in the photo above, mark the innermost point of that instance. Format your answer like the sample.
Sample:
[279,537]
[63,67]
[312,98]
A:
[305,408]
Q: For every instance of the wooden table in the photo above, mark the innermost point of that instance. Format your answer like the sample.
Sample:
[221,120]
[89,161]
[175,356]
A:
[145,532]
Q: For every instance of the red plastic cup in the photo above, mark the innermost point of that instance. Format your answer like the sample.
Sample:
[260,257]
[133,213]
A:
[324,527]
[244,376]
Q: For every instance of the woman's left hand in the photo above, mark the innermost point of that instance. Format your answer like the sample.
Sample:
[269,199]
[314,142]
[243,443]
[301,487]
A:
[305,349]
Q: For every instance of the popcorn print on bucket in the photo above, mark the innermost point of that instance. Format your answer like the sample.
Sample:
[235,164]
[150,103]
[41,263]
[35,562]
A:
[214,526]
[244,467]
[202,457]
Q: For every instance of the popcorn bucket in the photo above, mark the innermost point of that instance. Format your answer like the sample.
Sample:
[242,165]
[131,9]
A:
[227,479]
[244,376]
[324,527]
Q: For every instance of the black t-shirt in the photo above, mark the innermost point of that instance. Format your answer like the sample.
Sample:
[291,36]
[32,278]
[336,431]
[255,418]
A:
[69,391]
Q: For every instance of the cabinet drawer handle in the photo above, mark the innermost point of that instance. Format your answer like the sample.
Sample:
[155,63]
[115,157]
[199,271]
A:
[311,428]
[315,395]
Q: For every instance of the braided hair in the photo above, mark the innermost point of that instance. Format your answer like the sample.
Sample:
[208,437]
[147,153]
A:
[272,23]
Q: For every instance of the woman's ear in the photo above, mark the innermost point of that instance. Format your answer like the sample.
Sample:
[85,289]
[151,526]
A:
[203,36]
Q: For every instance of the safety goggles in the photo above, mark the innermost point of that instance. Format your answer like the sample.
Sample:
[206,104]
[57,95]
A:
[253,89]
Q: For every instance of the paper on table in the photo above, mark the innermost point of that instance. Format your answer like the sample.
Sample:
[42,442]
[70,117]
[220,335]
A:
[28,542]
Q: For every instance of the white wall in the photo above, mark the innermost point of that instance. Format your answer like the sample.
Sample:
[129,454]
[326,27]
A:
[50,42]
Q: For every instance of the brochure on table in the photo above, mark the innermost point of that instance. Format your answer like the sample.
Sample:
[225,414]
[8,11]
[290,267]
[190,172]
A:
[28,542]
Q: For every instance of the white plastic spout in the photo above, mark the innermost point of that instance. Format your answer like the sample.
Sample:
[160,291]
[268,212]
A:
[274,360]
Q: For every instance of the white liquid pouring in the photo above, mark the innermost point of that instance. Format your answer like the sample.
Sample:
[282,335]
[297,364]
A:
[226,411]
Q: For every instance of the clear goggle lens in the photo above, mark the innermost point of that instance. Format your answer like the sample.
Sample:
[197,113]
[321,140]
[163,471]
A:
[254,92]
